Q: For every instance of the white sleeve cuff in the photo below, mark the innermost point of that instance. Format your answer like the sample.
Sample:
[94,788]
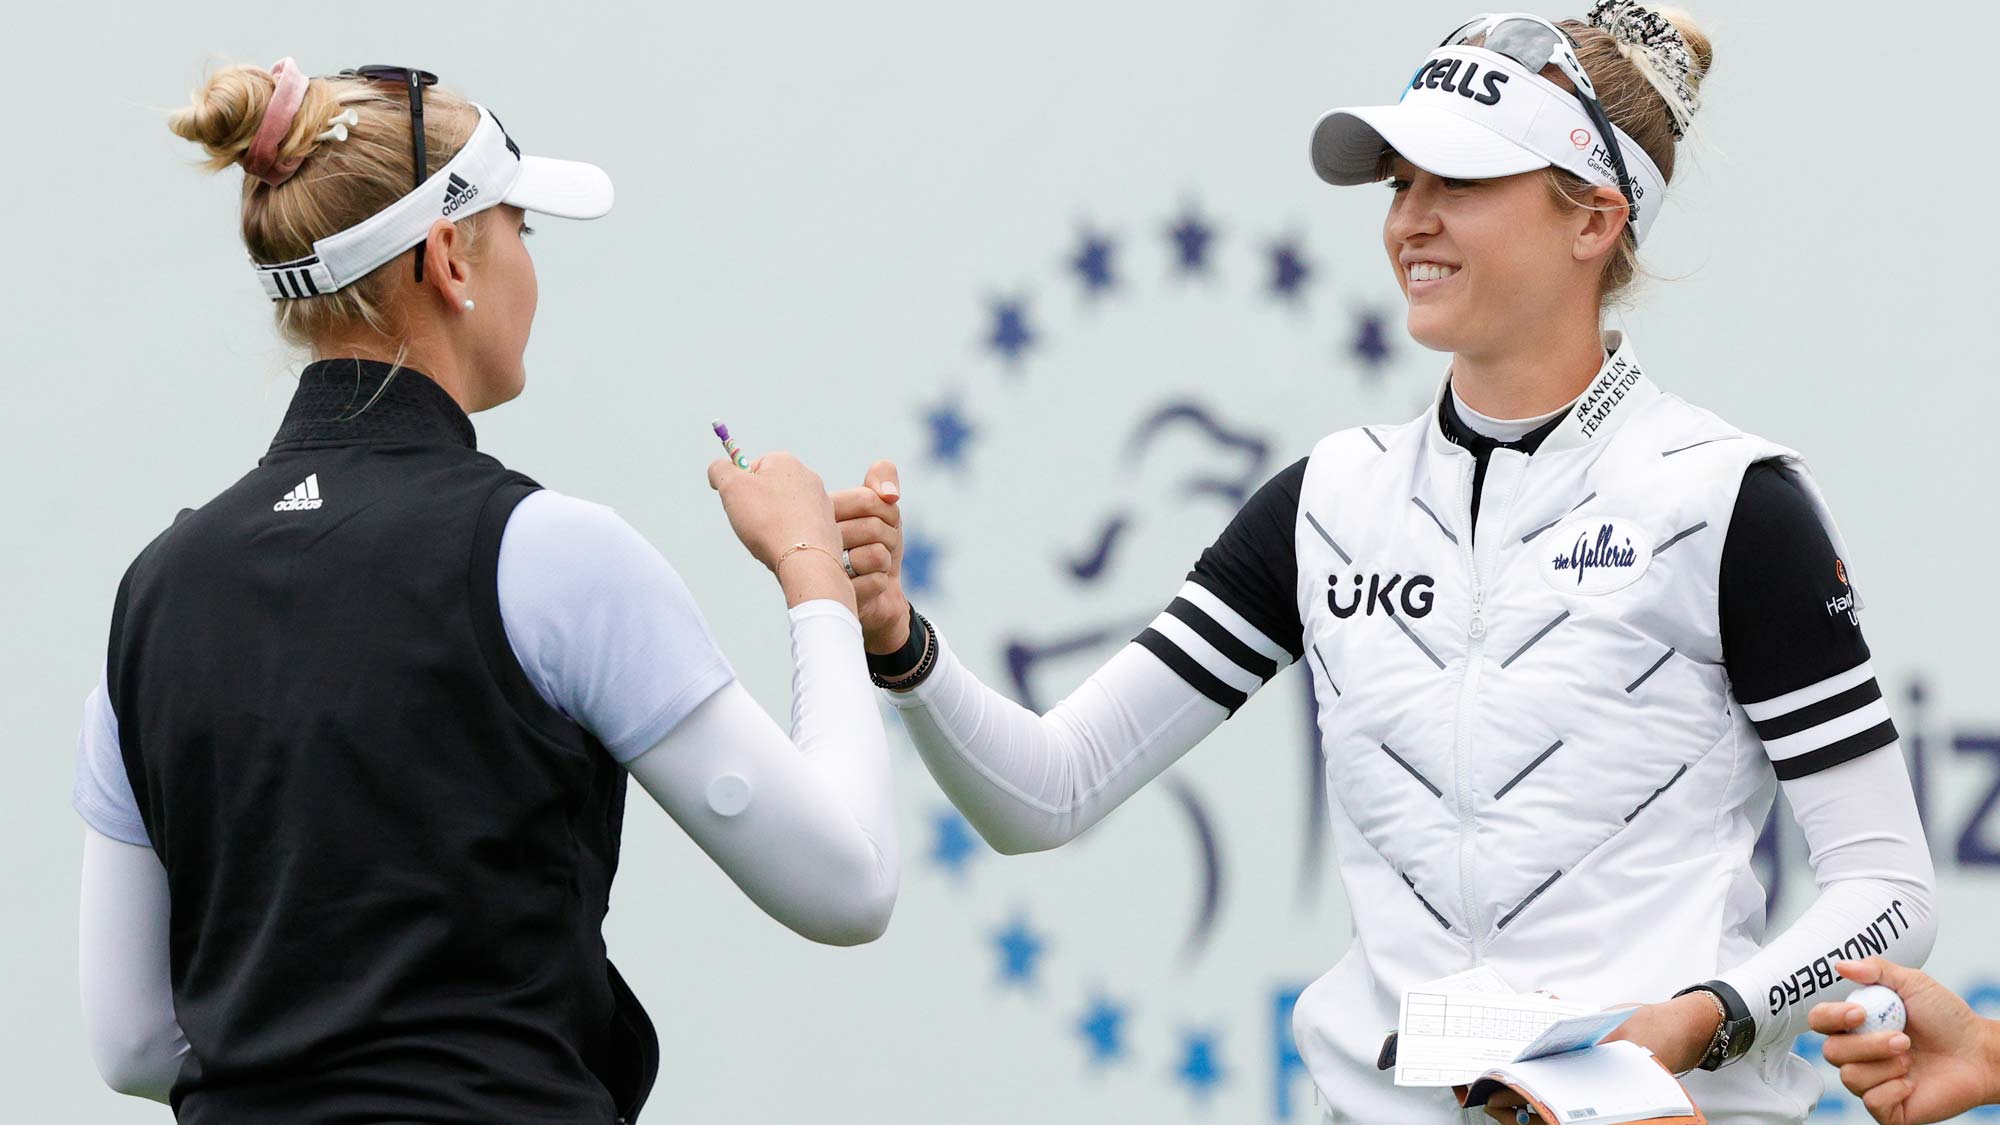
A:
[824,607]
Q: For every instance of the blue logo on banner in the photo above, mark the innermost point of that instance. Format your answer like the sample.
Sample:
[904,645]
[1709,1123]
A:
[1014,340]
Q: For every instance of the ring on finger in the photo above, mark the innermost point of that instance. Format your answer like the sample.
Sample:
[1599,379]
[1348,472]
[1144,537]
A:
[847,563]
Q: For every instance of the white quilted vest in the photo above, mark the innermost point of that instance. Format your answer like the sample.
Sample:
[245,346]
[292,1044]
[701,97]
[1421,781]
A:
[1533,758]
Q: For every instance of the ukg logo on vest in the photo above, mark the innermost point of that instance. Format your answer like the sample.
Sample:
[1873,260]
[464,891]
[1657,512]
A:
[1418,595]
[1596,555]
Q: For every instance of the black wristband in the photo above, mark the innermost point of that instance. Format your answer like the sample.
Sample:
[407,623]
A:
[926,639]
[923,669]
[894,665]
[1737,1031]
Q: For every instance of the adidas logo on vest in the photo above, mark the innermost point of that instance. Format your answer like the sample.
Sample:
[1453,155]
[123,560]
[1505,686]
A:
[303,498]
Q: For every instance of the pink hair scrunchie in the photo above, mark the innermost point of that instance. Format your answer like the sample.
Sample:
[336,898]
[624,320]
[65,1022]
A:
[262,159]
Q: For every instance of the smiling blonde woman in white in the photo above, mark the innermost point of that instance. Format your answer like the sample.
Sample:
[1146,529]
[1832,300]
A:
[1569,633]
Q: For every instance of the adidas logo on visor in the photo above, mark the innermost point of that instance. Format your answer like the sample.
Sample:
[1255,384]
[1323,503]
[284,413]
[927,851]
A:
[301,499]
[458,193]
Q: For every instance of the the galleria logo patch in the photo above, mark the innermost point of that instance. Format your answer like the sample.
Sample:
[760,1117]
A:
[1596,555]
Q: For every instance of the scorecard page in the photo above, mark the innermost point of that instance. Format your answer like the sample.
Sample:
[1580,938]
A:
[1447,1037]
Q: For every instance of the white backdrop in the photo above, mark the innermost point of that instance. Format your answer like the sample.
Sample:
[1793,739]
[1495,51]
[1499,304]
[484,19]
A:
[947,234]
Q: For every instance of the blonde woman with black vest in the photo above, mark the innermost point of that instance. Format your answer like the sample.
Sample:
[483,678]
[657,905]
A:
[1569,633]
[355,775]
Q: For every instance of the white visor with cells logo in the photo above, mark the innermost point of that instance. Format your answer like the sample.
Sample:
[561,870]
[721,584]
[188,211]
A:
[1472,114]
[487,172]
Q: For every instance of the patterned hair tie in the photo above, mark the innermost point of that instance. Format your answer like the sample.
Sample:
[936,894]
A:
[1667,62]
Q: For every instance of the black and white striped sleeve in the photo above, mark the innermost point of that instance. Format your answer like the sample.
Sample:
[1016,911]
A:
[1822,725]
[1791,642]
[1791,639]
[1235,622]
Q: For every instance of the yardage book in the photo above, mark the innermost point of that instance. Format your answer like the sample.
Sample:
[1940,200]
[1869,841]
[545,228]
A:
[1602,1085]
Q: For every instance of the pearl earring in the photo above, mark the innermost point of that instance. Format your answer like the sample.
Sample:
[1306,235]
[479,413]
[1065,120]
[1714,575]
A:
[468,304]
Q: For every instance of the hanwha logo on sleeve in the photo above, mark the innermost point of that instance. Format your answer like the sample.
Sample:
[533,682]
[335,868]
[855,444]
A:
[1595,554]
[1840,570]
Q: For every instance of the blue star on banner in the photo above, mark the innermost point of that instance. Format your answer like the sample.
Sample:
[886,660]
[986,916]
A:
[1191,237]
[1371,343]
[920,555]
[951,841]
[1198,1066]
[1103,1030]
[949,433]
[1093,263]
[1019,949]
[1011,335]
[1289,271]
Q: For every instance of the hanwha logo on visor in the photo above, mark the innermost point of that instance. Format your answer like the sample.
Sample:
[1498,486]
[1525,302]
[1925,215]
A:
[1580,138]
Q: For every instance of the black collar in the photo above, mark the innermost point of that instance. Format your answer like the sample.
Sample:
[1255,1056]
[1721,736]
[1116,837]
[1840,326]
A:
[1459,433]
[329,406]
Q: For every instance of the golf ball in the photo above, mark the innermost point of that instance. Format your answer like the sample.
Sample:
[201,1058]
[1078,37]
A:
[1884,1008]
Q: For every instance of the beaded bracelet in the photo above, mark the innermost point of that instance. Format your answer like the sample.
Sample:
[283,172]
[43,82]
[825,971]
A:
[894,671]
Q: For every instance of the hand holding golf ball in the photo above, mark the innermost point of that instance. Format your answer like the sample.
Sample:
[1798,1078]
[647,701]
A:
[1909,1048]
[1883,1008]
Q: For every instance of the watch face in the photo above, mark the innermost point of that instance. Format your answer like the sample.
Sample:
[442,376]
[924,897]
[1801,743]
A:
[1742,1033]
[1734,1039]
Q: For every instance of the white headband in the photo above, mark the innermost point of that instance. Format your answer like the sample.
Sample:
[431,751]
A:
[488,171]
[1474,114]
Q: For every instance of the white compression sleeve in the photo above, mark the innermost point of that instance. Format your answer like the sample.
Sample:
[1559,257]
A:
[128,1003]
[1030,782]
[1877,891]
[805,825]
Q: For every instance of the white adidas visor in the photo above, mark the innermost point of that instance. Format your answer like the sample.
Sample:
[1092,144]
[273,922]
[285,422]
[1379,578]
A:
[1473,114]
[487,172]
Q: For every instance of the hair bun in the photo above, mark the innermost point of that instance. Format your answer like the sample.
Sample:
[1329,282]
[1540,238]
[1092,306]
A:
[1670,52]
[224,114]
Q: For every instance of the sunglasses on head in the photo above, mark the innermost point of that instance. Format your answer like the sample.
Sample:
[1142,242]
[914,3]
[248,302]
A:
[415,81]
[1535,43]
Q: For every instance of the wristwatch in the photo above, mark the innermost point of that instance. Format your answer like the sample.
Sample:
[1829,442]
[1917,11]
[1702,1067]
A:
[1737,1031]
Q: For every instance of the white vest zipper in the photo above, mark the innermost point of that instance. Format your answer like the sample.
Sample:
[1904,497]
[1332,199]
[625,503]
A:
[1469,679]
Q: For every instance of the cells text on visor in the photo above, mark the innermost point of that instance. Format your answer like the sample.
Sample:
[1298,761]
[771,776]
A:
[1442,74]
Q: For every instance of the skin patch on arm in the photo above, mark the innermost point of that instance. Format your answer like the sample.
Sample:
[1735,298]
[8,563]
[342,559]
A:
[729,794]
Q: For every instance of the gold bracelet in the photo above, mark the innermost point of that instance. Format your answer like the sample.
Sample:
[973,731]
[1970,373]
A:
[797,547]
[1720,1042]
